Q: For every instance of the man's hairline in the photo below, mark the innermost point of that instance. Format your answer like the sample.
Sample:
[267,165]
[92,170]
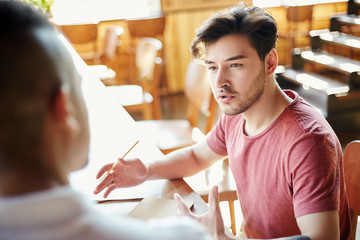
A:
[202,57]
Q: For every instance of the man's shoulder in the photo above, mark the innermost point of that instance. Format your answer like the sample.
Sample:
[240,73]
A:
[308,118]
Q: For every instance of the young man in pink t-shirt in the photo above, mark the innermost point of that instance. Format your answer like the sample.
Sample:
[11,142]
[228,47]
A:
[286,159]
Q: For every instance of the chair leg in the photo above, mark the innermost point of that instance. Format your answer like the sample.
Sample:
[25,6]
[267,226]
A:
[147,112]
[157,108]
[232,217]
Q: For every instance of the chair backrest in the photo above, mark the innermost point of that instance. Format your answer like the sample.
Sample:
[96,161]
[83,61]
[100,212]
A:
[147,27]
[111,41]
[81,37]
[198,92]
[352,181]
[148,61]
[80,33]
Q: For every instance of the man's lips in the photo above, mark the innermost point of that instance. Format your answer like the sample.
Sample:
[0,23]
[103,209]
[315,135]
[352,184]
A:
[225,97]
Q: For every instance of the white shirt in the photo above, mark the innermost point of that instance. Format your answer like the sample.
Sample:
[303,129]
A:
[62,214]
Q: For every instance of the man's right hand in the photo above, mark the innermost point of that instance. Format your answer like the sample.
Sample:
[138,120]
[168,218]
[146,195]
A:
[127,173]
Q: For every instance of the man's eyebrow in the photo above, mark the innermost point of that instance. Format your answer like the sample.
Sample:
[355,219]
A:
[228,59]
[235,58]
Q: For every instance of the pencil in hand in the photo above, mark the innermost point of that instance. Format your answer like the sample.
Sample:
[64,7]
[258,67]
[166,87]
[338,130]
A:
[115,163]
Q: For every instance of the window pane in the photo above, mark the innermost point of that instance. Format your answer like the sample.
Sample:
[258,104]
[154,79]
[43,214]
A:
[74,11]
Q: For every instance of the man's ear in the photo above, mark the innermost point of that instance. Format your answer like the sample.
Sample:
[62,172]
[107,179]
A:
[63,111]
[271,62]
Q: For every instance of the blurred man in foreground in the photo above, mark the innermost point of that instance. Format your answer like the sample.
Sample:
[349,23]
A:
[44,135]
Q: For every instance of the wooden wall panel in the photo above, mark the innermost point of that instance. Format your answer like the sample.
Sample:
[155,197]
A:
[179,33]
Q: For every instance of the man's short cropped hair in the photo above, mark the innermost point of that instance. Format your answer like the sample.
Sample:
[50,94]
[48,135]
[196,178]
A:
[29,76]
[255,23]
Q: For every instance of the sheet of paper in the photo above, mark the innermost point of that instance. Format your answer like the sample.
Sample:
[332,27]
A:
[150,208]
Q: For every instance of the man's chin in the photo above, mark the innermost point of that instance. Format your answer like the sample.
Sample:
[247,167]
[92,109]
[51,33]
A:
[230,111]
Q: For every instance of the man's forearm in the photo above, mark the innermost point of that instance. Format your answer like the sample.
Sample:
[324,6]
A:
[177,164]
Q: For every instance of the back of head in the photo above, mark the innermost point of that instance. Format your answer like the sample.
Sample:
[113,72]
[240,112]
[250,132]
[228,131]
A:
[28,79]
[255,23]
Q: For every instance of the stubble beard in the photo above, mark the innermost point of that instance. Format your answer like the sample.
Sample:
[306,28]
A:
[244,102]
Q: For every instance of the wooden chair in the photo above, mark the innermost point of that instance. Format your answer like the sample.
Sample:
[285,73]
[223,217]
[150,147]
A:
[111,43]
[108,56]
[352,174]
[147,27]
[152,27]
[299,24]
[83,37]
[173,134]
[144,96]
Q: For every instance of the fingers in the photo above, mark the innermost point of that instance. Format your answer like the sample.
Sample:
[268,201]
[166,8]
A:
[109,190]
[103,170]
[215,211]
[214,198]
[126,173]
[104,183]
[124,162]
[181,206]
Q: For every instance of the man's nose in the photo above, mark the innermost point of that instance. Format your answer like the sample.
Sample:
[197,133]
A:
[221,79]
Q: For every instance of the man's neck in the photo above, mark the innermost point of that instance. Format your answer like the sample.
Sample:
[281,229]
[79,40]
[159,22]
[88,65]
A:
[266,110]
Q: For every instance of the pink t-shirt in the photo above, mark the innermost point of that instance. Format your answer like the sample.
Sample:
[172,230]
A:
[292,168]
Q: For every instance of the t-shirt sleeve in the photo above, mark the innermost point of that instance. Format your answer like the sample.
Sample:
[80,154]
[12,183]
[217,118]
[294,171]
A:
[216,137]
[314,175]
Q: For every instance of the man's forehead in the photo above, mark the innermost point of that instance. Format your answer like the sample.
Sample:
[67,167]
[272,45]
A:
[229,48]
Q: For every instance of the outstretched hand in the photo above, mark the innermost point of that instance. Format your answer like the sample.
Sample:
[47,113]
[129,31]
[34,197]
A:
[212,219]
[127,173]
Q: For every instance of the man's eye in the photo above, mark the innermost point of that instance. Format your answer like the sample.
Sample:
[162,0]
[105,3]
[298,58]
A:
[212,68]
[235,65]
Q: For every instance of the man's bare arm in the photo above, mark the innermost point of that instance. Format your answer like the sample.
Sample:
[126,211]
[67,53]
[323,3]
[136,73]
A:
[181,163]
[184,162]
[320,226]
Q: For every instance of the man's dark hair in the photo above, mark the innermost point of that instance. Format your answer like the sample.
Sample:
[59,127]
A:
[255,23]
[15,15]
[29,51]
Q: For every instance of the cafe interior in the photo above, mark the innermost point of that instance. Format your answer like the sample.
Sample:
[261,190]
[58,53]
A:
[139,50]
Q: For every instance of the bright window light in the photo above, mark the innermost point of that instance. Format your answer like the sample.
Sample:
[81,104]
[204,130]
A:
[327,37]
[353,43]
[338,90]
[308,55]
[84,11]
[311,81]
[324,59]
[349,67]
